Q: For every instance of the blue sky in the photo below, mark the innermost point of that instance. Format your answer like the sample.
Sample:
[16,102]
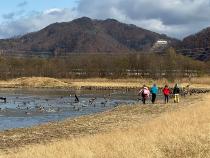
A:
[10,6]
[176,18]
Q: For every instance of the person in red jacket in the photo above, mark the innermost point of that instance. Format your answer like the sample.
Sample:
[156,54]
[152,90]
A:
[166,92]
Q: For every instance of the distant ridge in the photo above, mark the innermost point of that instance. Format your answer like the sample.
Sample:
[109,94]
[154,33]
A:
[197,46]
[85,35]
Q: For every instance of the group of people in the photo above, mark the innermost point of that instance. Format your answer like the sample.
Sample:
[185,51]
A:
[145,93]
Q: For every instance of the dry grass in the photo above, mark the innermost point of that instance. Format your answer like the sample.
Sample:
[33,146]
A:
[199,82]
[122,117]
[44,82]
[103,82]
[175,134]
[196,82]
[34,82]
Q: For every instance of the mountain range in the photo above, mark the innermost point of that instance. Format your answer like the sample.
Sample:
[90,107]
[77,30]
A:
[85,35]
[197,46]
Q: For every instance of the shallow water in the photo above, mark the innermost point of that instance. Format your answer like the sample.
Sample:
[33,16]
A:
[28,107]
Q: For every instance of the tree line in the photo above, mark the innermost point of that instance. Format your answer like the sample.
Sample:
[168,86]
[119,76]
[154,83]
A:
[169,65]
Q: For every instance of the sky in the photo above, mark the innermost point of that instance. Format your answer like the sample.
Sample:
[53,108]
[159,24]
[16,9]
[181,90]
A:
[176,18]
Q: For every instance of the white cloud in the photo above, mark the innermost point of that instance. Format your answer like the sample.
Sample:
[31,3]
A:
[35,21]
[9,15]
[173,17]
[176,18]
[22,4]
[53,11]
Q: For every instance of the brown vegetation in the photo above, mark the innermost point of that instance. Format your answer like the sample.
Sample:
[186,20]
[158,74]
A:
[197,46]
[101,83]
[198,40]
[34,82]
[130,132]
[170,66]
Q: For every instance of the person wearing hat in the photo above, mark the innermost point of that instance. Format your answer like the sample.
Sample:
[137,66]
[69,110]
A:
[176,93]
[144,93]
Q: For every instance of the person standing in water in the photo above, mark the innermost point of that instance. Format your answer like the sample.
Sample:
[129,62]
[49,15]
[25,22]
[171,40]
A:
[154,91]
[166,92]
[176,93]
[144,93]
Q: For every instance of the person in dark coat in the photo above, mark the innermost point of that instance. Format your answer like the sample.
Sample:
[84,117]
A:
[176,93]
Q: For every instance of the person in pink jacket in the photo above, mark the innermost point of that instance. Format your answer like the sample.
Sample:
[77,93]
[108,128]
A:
[144,93]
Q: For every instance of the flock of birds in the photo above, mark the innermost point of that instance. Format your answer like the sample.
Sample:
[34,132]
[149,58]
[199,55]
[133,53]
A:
[73,102]
[91,101]
[76,105]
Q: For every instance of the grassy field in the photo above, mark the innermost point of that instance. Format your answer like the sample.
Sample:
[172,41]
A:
[162,131]
[44,82]
[201,82]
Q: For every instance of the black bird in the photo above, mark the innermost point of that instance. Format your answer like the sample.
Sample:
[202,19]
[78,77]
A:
[76,99]
[104,103]
[4,99]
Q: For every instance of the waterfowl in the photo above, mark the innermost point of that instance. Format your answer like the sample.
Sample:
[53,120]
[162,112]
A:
[76,99]
[91,101]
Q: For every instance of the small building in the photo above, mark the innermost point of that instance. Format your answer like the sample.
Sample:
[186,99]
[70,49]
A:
[161,42]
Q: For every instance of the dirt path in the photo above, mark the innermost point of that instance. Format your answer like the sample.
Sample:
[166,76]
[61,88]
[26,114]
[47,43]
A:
[122,117]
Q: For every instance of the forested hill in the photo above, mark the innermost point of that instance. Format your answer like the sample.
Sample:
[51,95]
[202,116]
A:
[197,46]
[85,35]
[198,40]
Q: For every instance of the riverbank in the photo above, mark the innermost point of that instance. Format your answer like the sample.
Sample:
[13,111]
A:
[173,134]
[100,83]
[121,122]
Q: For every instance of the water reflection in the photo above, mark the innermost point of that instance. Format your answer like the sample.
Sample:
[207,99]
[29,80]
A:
[28,107]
